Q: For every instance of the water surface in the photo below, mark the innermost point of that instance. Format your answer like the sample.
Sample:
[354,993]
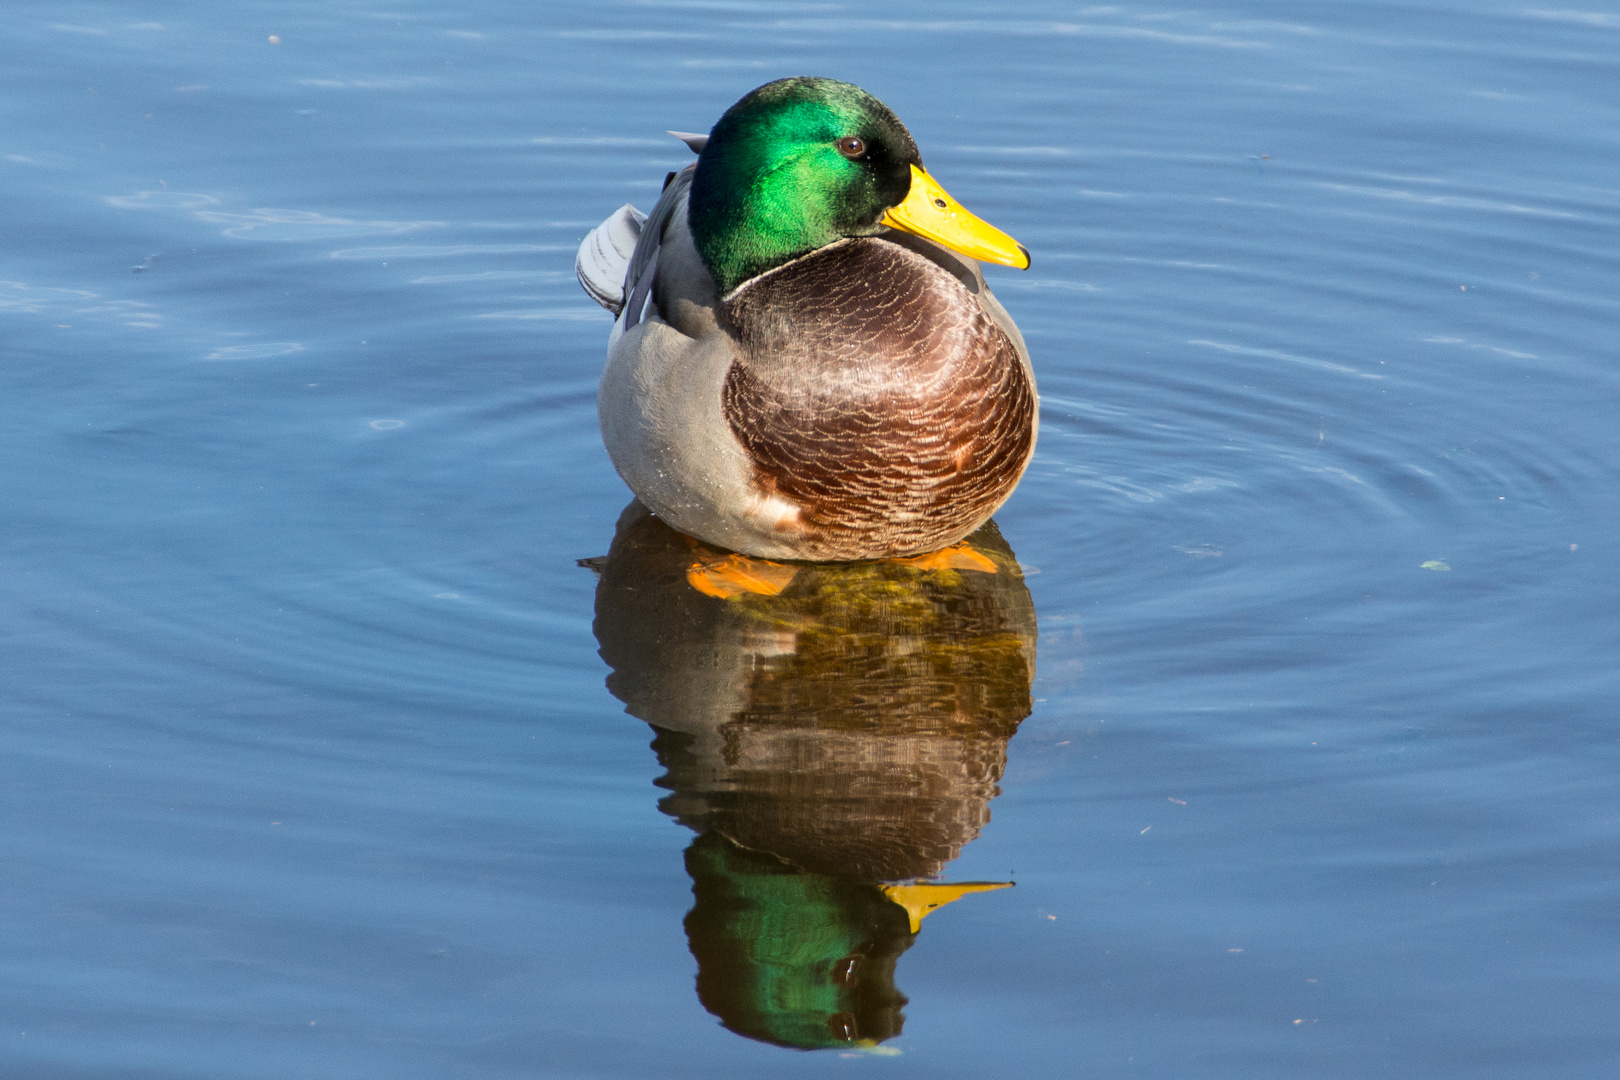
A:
[315,766]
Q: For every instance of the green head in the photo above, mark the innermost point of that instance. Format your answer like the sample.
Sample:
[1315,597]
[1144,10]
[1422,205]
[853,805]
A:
[794,166]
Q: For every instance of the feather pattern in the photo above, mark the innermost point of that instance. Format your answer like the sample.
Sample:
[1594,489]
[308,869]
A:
[878,398]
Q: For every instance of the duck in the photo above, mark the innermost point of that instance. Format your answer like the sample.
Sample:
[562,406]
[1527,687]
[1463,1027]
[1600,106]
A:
[806,363]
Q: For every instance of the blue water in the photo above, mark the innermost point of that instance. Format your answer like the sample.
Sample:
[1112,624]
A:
[310,768]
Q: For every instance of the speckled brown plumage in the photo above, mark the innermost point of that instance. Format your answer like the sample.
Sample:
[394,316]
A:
[875,392]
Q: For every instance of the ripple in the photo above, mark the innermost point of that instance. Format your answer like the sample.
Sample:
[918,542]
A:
[444,251]
[256,352]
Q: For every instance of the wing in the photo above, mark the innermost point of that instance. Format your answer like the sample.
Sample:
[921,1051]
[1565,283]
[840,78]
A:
[643,267]
[618,259]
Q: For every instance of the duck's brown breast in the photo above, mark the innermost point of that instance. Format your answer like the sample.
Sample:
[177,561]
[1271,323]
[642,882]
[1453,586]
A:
[876,395]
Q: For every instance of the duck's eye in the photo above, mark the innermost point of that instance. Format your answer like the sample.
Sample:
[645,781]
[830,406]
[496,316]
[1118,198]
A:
[851,146]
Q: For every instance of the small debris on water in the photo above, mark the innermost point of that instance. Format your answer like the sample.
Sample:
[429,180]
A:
[1434,564]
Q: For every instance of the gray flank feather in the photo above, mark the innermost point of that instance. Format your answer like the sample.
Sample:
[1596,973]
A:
[644,260]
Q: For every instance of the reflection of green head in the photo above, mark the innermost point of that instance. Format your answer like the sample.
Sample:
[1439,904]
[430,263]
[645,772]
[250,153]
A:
[791,958]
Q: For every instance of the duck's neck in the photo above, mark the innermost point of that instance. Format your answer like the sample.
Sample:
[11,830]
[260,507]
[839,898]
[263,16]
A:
[744,229]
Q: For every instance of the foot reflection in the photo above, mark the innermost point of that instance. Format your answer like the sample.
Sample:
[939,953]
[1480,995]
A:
[833,736]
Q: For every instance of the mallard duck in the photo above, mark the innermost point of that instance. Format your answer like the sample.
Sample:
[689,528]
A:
[806,363]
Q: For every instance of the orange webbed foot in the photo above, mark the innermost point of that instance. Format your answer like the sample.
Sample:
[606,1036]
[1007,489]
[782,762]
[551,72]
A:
[959,556]
[729,575]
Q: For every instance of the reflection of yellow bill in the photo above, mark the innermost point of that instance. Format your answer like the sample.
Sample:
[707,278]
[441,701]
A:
[922,898]
[929,211]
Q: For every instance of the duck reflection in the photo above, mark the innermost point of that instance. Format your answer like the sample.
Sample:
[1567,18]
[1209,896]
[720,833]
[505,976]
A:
[834,734]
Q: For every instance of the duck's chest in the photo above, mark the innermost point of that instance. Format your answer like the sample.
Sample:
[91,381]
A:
[872,387]
[861,327]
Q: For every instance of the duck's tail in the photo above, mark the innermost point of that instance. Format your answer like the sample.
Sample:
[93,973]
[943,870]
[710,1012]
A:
[604,256]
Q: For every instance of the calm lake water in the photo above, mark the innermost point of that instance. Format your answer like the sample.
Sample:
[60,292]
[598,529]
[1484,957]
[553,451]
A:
[324,757]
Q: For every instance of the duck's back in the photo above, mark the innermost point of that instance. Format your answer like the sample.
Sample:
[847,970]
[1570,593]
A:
[874,392]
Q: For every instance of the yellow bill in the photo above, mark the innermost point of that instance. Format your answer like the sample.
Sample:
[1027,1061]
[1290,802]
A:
[929,211]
